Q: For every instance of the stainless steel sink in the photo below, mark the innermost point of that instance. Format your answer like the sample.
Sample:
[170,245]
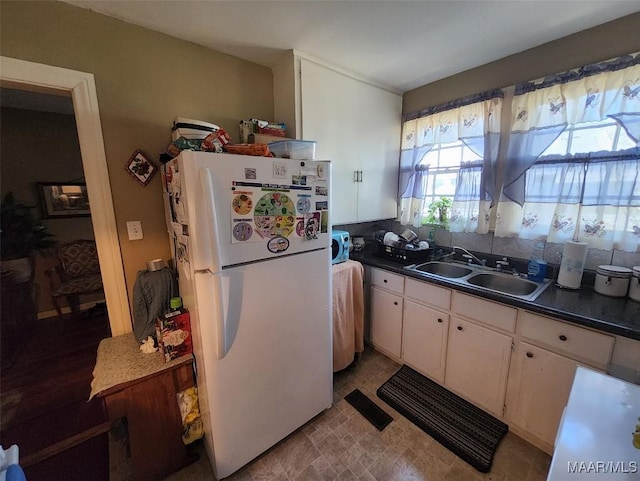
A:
[508,284]
[503,283]
[483,278]
[444,269]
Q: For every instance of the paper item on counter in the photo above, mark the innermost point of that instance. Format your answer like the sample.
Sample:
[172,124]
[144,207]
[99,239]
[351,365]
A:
[572,264]
[148,345]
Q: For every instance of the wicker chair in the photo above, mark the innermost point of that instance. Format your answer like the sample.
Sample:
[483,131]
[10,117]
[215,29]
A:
[77,274]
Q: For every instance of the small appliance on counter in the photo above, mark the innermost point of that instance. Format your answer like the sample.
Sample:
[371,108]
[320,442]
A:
[612,281]
[339,246]
[357,243]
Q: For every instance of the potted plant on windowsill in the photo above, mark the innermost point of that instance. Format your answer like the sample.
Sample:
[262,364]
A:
[22,237]
[438,213]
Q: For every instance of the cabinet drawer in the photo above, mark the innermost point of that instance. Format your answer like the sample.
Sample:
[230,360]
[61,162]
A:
[487,312]
[592,347]
[387,280]
[428,293]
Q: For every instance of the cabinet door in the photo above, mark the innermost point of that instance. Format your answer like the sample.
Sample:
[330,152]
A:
[478,364]
[357,127]
[539,388]
[379,114]
[424,339]
[386,321]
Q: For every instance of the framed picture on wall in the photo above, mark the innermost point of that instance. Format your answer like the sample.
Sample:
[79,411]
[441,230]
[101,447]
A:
[140,167]
[63,199]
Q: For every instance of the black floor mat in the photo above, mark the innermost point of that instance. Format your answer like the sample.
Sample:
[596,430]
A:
[461,427]
[370,410]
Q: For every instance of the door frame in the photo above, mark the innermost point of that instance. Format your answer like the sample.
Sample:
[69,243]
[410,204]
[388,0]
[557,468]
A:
[82,89]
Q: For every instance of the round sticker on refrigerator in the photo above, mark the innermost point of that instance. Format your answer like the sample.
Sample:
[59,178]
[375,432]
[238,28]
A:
[242,231]
[242,204]
[304,204]
[278,244]
[274,215]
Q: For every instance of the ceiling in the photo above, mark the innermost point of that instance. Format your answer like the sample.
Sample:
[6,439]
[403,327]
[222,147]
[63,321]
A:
[398,44]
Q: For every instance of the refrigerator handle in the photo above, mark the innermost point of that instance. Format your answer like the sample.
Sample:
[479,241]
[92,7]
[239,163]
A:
[210,203]
[219,322]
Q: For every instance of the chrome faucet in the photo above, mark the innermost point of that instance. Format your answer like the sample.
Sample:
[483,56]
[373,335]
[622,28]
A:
[468,255]
[502,264]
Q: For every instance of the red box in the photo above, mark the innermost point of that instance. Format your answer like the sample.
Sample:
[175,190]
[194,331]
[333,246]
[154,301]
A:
[173,331]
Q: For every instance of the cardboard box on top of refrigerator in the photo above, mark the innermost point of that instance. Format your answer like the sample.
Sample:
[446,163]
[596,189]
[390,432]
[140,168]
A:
[173,331]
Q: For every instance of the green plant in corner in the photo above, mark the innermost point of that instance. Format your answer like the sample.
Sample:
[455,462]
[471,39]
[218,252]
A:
[21,235]
[438,212]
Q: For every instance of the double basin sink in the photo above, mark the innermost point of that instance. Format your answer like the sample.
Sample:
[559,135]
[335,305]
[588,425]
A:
[484,278]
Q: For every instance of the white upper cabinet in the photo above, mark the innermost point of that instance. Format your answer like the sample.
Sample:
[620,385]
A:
[356,126]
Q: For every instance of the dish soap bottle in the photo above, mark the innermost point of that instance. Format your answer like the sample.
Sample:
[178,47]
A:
[537,268]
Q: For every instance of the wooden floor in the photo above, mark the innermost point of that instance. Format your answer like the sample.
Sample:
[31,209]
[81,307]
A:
[44,390]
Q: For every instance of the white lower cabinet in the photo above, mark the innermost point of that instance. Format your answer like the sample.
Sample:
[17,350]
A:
[424,339]
[492,354]
[386,321]
[542,371]
[477,364]
[538,390]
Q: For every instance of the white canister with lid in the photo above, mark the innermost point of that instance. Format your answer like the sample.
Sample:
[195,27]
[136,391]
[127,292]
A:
[613,281]
[634,286]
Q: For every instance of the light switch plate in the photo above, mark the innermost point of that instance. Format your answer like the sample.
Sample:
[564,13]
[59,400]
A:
[134,229]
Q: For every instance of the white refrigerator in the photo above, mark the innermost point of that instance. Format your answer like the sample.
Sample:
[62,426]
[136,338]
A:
[251,241]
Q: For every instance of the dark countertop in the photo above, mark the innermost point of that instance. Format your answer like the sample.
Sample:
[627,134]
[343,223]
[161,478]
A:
[584,306]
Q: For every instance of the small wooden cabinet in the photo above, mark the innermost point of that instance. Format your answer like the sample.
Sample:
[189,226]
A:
[145,393]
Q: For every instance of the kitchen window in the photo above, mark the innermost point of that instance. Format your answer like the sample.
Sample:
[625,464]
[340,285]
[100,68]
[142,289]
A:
[604,135]
[450,151]
[572,169]
[444,162]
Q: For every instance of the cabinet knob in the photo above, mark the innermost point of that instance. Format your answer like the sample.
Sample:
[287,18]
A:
[529,354]
[440,320]
[395,303]
[385,281]
[562,337]
[459,328]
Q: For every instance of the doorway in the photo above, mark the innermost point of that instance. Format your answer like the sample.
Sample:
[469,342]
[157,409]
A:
[23,75]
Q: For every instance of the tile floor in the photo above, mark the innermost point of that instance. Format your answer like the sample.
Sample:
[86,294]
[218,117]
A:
[341,445]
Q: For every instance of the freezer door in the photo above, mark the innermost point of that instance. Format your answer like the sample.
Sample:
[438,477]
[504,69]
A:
[276,372]
[234,209]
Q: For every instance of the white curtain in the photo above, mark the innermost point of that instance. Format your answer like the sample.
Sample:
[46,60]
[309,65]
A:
[573,198]
[413,176]
[471,209]
[469,213]
[477,123]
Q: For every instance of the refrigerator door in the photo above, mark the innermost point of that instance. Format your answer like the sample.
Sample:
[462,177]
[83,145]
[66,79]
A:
[276,372]
[234,209]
